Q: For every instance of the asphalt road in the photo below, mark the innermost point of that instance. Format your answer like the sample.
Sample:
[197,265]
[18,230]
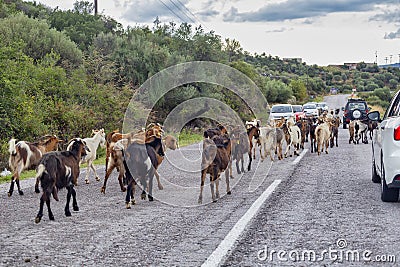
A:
[319,200]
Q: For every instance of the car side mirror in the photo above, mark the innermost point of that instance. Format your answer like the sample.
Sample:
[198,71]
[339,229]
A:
[374,116]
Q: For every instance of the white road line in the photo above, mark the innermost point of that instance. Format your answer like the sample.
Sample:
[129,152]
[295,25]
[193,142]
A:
[226,245]
[300,157]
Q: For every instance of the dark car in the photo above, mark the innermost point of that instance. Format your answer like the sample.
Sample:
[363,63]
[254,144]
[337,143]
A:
[355,109]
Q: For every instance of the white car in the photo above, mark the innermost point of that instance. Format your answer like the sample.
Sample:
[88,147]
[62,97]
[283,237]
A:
[323,106]
[386,150]
[281,110]
[310,109]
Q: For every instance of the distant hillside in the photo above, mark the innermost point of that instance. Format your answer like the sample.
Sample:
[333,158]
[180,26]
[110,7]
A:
[395,65]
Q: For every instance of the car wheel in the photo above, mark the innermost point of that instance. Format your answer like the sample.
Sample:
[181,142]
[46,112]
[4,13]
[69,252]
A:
[356,114]
[388,194]
[375,176]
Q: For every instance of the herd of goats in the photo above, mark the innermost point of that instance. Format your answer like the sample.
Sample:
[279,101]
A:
[137,155]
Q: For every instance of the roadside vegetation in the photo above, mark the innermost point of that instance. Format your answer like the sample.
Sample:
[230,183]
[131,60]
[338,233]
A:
[68,72]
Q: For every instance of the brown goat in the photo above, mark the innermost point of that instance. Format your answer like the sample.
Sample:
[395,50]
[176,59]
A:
[215,160]
[26,156]
[115,160]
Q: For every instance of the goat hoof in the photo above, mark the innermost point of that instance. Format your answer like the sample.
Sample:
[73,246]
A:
[200,201]
[143,196]
[97,179]
[133,202]
[51,217]
[37,191]
[21,193]
[214,200]
[37,219]
[217,196]
[128,205]
[123,189]
[76,208]
[160,187]
[10,194]
[87,182]
[103,190]
[151,198]
[68,213]
[229,192]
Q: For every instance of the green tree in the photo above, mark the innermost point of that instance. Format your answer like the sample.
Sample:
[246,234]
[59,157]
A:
[37,39]
[299,90]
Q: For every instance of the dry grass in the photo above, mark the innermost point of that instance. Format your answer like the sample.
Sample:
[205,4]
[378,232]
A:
[377,108]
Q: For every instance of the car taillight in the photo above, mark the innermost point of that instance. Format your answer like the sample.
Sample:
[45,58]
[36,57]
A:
[396,134]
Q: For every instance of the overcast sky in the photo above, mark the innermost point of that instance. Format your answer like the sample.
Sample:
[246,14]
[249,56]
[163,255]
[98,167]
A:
[319,31]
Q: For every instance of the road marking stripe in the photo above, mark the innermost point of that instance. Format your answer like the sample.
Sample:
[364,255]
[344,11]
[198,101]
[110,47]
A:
[226,245]
[300,157]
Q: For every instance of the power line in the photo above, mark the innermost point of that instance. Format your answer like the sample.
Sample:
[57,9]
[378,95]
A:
[171,10]
[198,20]
[184,13]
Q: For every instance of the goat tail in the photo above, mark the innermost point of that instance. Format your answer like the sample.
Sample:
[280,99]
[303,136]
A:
[39,171]
[12,148]
[318,131]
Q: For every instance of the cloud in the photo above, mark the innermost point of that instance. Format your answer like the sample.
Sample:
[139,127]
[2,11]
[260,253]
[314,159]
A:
[207,14]
[393,35]
[390,16]
[299,9]
[283,29]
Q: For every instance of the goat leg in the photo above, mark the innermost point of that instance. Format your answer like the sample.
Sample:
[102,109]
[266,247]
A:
[19,188]
[120,181]
[87,173]
[67,211]
[237,167]
[203,177]
[103,188]
[128,195]
[51,216]
[150,194]
[74,203]
[250,159]
[217,187]
[37,186]
[160,187]
[242,162]
[40,213]
[228,189]
[10,192]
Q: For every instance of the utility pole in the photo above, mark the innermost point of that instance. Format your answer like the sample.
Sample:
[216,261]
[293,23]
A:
[376,57]
[95,8]
[390,58]
[386,59]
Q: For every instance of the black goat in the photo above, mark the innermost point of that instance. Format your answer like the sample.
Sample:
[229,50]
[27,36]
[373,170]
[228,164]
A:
[57,170]
[141,160]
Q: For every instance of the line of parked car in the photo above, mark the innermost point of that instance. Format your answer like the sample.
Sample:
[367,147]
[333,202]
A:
[385,140]
[309,109]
